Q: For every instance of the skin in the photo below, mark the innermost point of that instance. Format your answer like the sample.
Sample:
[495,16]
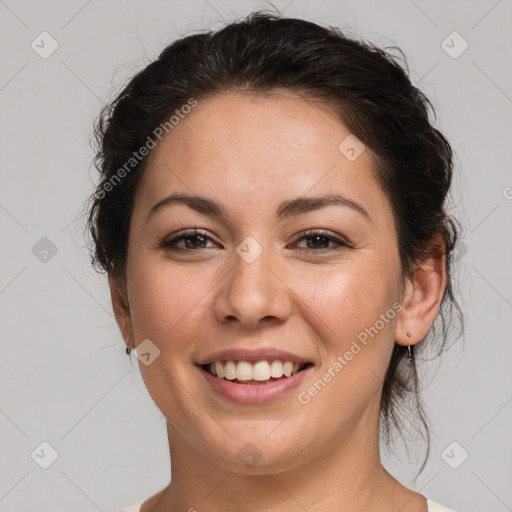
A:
[249,154]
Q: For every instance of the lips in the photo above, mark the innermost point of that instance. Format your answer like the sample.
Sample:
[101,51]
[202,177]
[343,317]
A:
[254,376]
[254,392]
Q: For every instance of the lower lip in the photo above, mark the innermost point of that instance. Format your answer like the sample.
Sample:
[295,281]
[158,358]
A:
[254,393]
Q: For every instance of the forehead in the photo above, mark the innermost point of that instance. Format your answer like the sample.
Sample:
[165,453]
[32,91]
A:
[258,150]
[242,127]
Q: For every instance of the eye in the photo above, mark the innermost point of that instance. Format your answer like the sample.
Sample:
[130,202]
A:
[320,238]
[193,239]
[197,239]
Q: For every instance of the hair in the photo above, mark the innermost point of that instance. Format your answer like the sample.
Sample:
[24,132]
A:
[369,91]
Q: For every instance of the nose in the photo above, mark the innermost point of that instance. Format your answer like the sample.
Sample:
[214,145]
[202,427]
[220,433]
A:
[253,293]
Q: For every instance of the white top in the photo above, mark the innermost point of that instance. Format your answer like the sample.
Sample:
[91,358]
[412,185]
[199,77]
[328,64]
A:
[432,507]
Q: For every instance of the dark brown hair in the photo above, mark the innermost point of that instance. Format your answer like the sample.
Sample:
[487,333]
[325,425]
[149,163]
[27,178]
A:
[372,95]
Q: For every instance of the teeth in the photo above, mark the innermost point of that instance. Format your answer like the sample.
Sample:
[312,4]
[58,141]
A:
[230,370]
[219,370]
[276,369]
[260,370]
[244,370]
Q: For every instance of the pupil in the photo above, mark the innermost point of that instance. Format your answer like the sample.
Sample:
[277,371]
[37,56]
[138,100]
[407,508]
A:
[192,246]
[316,237]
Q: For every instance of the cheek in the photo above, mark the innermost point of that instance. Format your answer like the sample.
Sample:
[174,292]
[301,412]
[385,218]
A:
[354,311]
[350,298]
[167,302]
[171,302]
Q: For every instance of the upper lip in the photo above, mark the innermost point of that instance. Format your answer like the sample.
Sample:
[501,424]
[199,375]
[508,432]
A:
[242,354]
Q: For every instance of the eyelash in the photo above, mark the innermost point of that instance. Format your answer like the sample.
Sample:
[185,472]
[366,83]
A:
[171,243]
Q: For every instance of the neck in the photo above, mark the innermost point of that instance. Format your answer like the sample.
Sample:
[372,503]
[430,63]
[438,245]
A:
[347,475]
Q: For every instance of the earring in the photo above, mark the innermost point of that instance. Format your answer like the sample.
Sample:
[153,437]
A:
[409,347]
[128,347]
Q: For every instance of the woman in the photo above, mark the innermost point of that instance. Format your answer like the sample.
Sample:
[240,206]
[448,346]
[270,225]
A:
[271,218]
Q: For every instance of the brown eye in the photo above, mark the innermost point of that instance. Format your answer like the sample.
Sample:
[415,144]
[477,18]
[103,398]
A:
[193,239]
[318,240]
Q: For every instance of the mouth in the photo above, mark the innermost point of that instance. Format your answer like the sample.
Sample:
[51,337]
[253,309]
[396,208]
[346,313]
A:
[261,372]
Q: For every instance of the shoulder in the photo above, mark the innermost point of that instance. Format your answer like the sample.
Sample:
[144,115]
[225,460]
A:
[435,507]
[432,507]
[132,508]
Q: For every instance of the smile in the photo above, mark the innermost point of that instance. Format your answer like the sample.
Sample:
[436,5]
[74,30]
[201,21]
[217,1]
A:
[258,372]
[253,383]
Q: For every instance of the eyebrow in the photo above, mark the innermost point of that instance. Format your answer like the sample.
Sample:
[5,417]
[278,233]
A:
[298,206]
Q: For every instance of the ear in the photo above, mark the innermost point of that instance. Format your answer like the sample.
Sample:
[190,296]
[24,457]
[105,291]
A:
[121,308]
[423,295]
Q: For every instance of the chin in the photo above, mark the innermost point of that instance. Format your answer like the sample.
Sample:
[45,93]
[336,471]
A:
[256,448]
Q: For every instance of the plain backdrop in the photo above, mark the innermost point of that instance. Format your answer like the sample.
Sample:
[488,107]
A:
[69,397]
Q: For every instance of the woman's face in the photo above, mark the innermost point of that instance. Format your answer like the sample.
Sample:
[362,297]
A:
[253,281]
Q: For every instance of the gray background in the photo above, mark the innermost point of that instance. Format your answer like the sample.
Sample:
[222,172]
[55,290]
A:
[64,376]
